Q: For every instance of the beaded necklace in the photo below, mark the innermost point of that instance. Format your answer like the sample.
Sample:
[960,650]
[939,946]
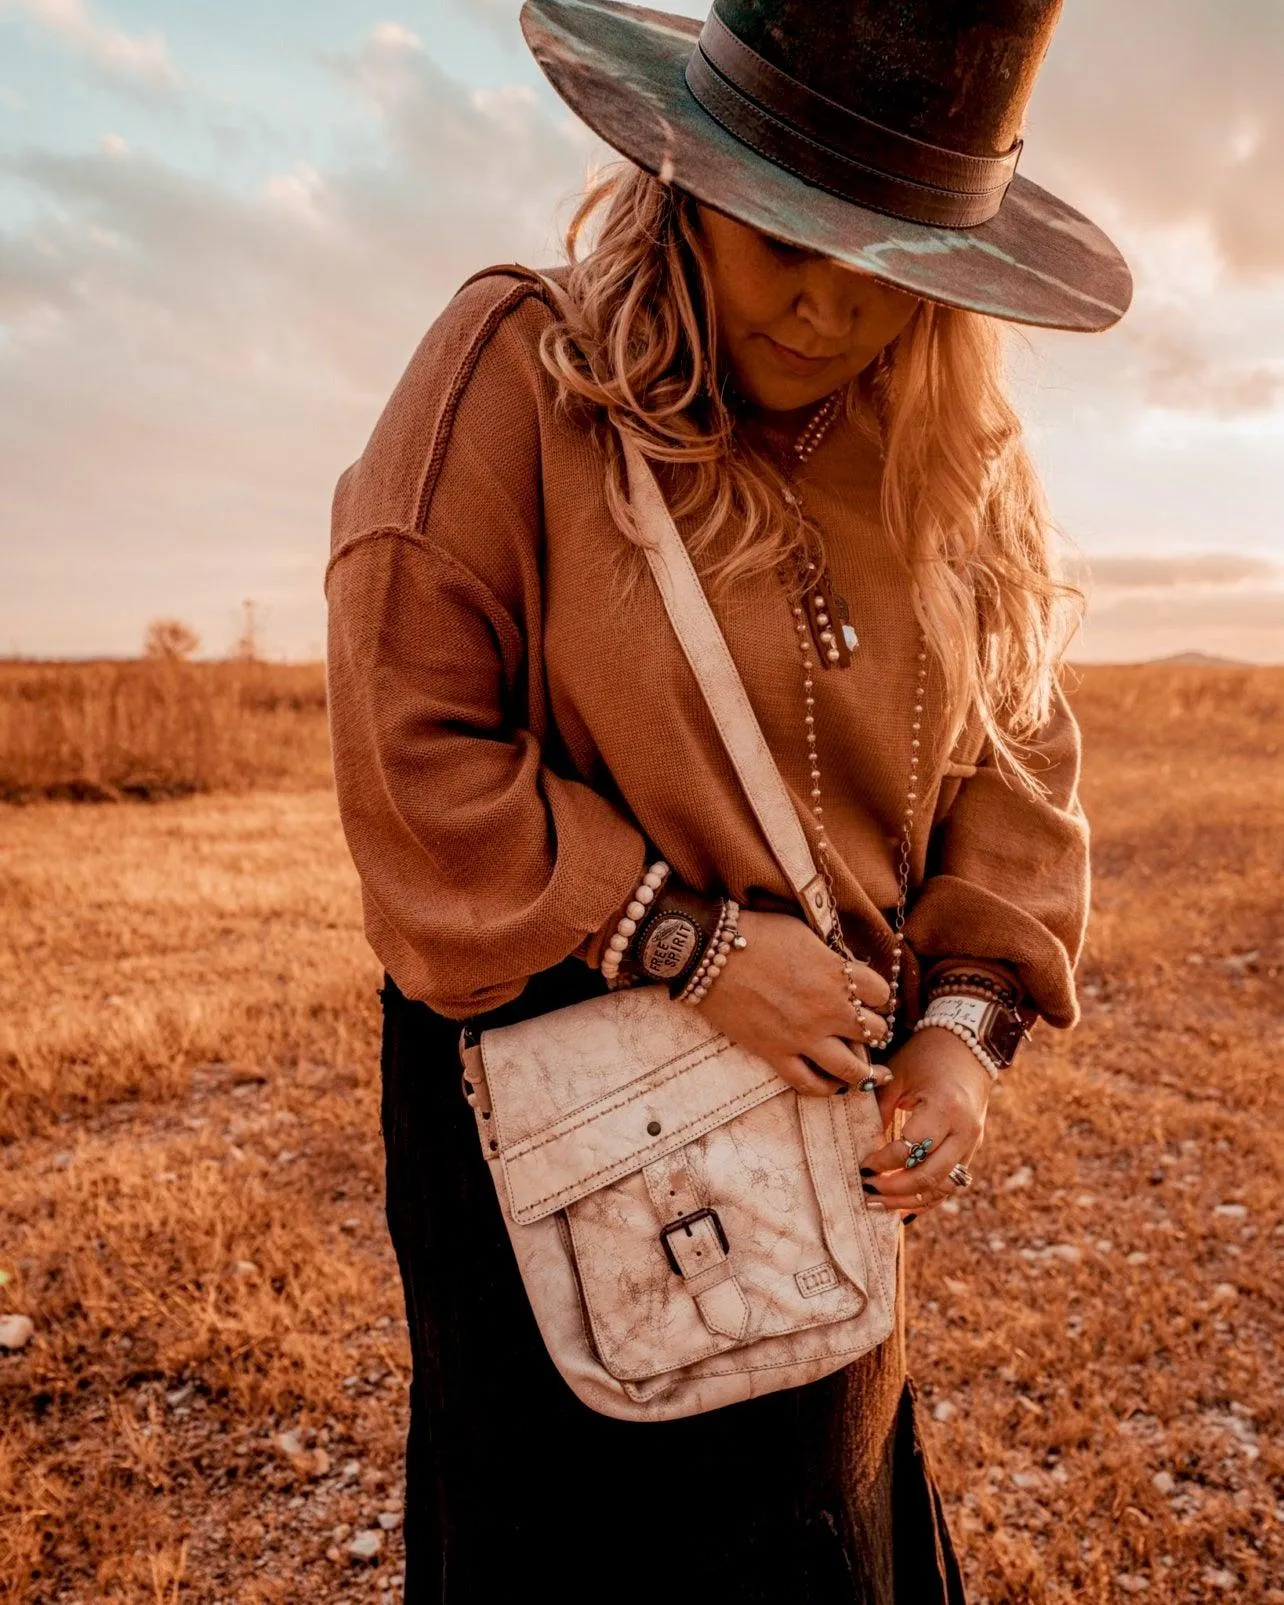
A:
[816,431]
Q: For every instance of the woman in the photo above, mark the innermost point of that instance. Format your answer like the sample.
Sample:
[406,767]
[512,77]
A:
[785,308]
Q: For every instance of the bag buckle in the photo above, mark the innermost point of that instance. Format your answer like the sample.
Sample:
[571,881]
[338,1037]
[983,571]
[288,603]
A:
[684,1224]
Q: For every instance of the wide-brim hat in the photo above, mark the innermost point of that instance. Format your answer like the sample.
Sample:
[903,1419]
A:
[883,136]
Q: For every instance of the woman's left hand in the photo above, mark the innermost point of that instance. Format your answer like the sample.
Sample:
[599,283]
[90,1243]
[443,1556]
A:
[946,1090]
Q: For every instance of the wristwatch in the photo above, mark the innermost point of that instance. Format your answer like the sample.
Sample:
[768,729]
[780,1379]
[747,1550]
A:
[996,1029]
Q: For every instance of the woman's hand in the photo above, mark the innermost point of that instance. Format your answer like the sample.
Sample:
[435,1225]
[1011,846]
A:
[939,1080]
[784,997]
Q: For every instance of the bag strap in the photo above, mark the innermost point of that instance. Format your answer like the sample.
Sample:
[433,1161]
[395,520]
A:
[706,650]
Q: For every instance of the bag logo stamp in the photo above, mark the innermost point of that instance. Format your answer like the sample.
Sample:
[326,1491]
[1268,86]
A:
[819,1279]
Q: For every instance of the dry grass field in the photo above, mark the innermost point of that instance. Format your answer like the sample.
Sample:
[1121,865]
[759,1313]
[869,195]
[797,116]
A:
[158,727]
[212,1403]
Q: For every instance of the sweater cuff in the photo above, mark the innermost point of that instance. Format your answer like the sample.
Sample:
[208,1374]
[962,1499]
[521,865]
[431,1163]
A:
[593,946]
[954,917]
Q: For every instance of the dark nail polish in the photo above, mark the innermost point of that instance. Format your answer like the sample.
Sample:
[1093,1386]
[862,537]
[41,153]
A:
[910,1219]
[865,1187]
[867,1173]
[843,1091]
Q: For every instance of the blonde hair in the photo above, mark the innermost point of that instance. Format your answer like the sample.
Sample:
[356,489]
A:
[960,498]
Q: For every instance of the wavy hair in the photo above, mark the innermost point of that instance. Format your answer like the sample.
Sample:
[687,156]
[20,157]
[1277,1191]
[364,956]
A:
[961,501]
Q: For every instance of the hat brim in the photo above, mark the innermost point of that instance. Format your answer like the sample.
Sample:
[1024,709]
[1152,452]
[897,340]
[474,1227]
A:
[622,68]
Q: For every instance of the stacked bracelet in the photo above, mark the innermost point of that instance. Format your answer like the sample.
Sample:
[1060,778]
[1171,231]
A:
[641,900]
[726,936]
[964,1035]
[961,983]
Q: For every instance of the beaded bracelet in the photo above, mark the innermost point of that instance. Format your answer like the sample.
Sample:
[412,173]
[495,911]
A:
[618,946]
[964,1035]
[969,984]
[726,936]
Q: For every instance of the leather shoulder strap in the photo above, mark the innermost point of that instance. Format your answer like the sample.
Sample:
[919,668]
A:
[706,650]
[711,662]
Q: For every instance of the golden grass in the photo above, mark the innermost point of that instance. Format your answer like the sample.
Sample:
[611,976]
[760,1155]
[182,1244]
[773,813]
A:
[158,727]
[190,1203]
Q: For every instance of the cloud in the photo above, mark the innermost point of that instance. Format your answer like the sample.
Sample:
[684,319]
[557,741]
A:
[1144,606]
[187,367]
[1201,569]
[1170,109]
[1245,624]
[141,58]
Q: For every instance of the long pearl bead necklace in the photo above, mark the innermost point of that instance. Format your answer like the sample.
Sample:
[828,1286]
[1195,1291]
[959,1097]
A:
[808,442]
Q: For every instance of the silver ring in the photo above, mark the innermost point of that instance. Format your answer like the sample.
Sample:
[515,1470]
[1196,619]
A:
[961,1176]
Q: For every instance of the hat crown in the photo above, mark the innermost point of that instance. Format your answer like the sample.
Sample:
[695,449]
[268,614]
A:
[954,73]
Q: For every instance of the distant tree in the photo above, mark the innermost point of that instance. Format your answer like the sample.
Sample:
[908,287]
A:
[171,638]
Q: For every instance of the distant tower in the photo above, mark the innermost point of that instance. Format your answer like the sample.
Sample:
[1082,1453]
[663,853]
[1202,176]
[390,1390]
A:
[248,646]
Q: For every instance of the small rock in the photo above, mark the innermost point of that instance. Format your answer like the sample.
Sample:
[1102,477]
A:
[1230,1211]
[1225,1293]
[1138,1257]
[1163,1482]
[1132,1583]
[1218,1577]
[950,1206]
[245,1267]
[996,1245]
[945,1410]
[1026,1480]
[290,1443]
[64,1161]
[16,1331]
[1068,1252]
[953,1285]
[341,1532]
[351,1469]
[1104,1245]
[366,1545]
[332,1554]
[1022,1177]
[179,1396]
[320,1463]
[390,1520]
[1237,963]
[352,1224]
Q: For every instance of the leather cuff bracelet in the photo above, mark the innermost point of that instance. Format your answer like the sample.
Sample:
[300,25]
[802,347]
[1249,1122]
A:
[675,935]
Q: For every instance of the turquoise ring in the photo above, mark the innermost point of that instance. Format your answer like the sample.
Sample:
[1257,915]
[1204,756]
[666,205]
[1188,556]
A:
[917,1151]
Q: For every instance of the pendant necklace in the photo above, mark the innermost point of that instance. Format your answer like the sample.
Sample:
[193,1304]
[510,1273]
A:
[812,608]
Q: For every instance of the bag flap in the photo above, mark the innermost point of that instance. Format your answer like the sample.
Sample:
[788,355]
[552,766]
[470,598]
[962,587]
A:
[584,1096]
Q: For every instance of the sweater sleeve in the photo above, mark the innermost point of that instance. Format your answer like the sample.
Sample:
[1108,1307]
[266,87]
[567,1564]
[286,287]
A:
[1009,873]
[480,864]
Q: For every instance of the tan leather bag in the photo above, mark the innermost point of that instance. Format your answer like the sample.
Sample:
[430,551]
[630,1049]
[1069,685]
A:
[690,1231]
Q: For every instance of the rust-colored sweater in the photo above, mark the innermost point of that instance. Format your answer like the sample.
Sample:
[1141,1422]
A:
[509,736]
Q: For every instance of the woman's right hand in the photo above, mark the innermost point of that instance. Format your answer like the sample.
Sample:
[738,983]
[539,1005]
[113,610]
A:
[784,997]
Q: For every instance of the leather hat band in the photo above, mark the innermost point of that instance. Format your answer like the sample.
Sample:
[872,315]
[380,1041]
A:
[837,149]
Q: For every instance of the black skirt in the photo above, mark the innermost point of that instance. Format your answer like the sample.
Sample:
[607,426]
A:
[819,1495]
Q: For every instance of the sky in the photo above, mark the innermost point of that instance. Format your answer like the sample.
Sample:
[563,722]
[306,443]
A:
[224,227]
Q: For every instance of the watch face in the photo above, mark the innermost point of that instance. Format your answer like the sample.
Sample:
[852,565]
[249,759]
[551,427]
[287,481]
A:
[1002,1036]
[669,946]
